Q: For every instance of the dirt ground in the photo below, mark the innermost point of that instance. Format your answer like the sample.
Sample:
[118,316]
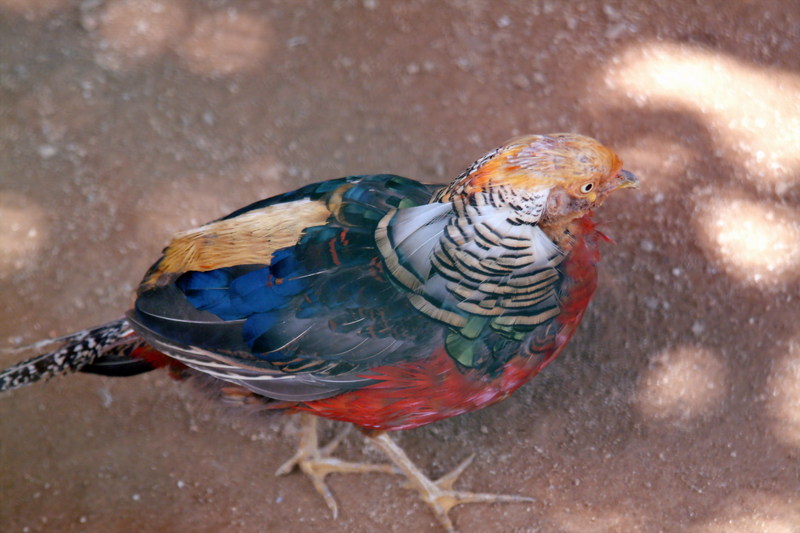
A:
[677,405]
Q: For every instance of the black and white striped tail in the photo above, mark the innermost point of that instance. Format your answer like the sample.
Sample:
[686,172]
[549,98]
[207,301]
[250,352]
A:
[105,349]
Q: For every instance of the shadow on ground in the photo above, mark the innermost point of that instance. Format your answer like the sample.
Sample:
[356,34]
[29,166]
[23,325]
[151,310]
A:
[676,406]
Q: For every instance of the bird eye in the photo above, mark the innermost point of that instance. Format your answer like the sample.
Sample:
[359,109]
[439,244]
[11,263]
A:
[586,187]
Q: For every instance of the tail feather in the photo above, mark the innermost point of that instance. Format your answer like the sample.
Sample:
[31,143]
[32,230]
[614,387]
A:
[111,349]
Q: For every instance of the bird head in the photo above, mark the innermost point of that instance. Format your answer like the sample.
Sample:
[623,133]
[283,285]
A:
[547,179]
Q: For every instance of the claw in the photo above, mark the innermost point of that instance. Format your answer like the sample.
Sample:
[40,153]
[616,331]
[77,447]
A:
[317,463]
[439,495]
[447,480]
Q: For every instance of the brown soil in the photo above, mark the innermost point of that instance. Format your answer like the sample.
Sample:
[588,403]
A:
[677,406]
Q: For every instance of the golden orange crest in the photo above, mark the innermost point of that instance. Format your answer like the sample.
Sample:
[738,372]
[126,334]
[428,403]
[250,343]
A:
[539,162]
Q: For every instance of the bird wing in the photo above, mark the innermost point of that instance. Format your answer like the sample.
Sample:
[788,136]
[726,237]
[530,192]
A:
[288,296]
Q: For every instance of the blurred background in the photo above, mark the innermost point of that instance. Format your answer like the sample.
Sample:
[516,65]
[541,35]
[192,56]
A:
[677,405]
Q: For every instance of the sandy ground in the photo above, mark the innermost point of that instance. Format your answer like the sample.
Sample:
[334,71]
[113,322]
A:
[677,406]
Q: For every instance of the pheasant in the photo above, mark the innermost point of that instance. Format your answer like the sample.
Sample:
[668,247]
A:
[375,300]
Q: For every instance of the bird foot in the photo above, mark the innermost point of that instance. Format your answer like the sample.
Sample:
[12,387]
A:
[316,462]
[440,495]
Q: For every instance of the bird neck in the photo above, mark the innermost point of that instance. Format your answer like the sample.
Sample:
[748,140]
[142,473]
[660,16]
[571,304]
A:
[462,260]
[564,231]
[487,243]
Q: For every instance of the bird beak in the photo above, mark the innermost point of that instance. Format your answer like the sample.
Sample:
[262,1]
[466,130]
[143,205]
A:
[627,180]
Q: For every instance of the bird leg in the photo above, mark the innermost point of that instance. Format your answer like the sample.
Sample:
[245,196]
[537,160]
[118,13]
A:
[439,495]
[316,462]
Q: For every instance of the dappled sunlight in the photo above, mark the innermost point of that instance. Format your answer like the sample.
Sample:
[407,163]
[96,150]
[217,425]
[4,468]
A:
[663,157]
[753,241]
[23,231]
[266,170]
[226,42]
[223,42]
[132,31]
[677,404]
[682,384]
[755,511]
[784,395]
[33,9]
[752,112]
[167,209]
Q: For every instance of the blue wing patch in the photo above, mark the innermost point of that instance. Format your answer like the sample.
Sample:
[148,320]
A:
[324,304]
